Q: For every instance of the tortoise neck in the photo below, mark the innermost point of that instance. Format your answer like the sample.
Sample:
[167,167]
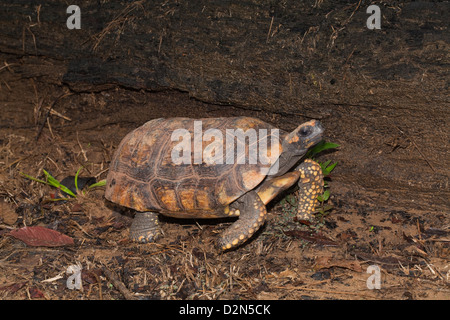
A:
[286,161]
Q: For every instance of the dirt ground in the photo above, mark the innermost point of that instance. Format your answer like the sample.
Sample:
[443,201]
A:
[409,243]
[389,191]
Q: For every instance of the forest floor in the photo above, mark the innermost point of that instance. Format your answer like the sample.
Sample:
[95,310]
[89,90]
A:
[406,237]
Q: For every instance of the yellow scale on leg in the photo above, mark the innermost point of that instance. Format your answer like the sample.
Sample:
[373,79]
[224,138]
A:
[311,185]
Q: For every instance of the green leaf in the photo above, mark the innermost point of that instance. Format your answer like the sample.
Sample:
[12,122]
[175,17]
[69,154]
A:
[324,167]
[327,169]
[101,183]
[321,146]
[76,178]
[324,197]
[32,178]
[325,164]
[55,183]
[51,181]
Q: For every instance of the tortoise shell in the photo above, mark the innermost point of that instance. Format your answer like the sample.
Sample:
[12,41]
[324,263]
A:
[144,177]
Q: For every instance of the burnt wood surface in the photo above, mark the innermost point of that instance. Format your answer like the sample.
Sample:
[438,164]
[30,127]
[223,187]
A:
[289,57]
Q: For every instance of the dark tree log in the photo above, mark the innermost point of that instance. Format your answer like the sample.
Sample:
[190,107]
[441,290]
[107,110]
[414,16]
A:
[262,54]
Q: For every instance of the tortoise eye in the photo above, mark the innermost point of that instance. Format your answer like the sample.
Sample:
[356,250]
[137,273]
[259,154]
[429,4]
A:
[305,131]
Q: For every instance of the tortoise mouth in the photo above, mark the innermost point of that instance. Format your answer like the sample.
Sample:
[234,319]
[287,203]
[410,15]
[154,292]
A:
[318,125]
[316,135]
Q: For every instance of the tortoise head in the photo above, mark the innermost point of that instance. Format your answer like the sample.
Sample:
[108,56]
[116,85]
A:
[304,137]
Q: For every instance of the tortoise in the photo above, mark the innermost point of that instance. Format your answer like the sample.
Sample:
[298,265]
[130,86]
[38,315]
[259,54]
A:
[147,175]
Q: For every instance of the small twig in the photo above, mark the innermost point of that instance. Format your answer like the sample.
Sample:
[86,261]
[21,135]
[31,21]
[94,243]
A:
[56,113]
[34,39]
[4,226]
[38,11]
[50,128]
[119,284]
[7,85]
[99,174]
[8,66]
[17,161]
[270,29]
[119,20]
[418,230]
[99,282]
[48,113]
[160,43]
[423,156]
[81,228]
[417,148]
[164,250]
[348,58]
[357,7]
[434,271]
[82,150]
[325,291]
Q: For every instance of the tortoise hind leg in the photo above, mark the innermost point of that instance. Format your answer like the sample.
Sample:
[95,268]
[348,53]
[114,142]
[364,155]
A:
[145,228]
[252,216]
[311,185]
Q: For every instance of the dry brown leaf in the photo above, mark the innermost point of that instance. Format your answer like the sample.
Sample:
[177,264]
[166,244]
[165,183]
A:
[39,236]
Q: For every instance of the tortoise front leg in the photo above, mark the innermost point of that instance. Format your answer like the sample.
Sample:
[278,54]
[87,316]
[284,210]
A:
[311,185]
[274,186]
[145,228]
[252,215]
[310,181]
